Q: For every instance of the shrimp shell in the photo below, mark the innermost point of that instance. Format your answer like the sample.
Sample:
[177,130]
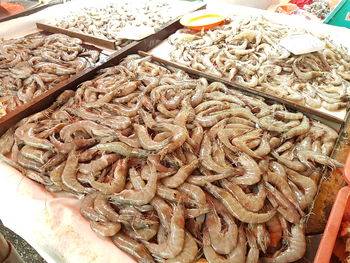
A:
[296,247]
[132,247]
[140,197]
[236,209]
[188,253]
[176,237]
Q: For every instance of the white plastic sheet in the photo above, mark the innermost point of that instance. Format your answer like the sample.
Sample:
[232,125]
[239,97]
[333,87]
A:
[51,223]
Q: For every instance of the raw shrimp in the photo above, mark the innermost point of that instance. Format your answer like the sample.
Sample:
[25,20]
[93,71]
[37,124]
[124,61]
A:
[96,166]
[284,147]
[122,149]
[180,135]
[170,194]
[87,208]
[35,154]
[104,208]
[142,234]
[264,147]
[275,230]
[56,176]
[217,235]
[305,156]
[206,159]
[282,185]
[106,229]
[238,255]
[252,202]
[117,183]
[277,168]
[236,209]
[140,197]
[181,175]
[197,194]
[69,174]
[202,180]
[26,134]
[303,128]
[132,247]
[294,165]
[288,115]
[252,173]
[241,142]
[308,186]
[282,204]
[188,253]
[145,139]
[296,247]
[176,237]
[90,127]
[253,253]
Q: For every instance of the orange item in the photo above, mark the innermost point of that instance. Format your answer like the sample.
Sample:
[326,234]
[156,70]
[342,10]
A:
[286,8]
[347,170]
[332,4]
[202,19]
[12,8]
[339,249]
[330,233]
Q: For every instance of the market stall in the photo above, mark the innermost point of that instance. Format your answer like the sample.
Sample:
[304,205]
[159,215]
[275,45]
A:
[165,153]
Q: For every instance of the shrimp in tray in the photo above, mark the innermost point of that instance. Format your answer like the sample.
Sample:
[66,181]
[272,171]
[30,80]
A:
[172,168]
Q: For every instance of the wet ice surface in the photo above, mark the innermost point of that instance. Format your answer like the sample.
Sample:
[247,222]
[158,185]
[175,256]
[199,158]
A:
[28,254]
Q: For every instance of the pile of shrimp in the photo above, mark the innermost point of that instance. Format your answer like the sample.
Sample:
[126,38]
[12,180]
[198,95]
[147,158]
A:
[246,51]
[33,64]
[107,20]
[173,168]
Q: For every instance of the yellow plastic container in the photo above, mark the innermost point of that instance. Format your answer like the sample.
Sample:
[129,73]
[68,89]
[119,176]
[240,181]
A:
[202,19]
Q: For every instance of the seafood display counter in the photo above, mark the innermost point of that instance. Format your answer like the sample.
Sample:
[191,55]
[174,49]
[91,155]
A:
[169,164]
[245,51]
[53,66]
[142,139]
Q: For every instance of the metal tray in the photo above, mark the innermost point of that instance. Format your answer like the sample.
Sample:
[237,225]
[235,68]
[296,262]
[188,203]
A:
[46,99]
[102,41]
[20,112]
[331,181]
